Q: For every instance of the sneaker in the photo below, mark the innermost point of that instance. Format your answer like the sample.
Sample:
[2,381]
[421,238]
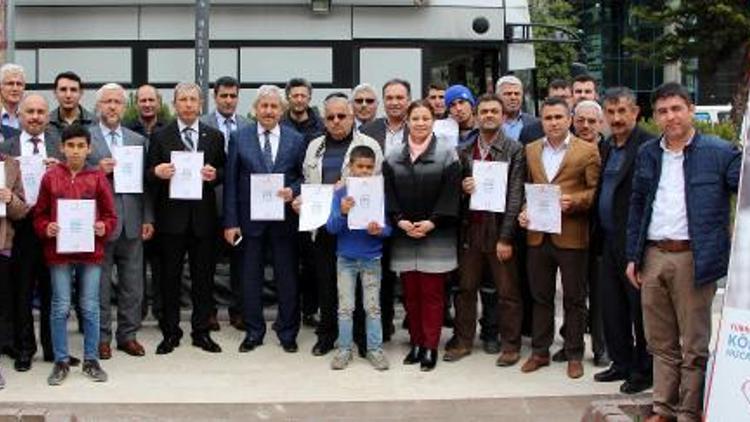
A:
[94,371]
[59,373]
[341,359]
[377,359]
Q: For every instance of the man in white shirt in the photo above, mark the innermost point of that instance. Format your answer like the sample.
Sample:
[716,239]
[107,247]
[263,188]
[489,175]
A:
[12,87]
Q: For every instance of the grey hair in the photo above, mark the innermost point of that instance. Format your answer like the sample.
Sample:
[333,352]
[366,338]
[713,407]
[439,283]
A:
[270,91]
[12,69]
[362,88]
[335,99]
[508,80]
[111,87]
[184,87]
[589,104]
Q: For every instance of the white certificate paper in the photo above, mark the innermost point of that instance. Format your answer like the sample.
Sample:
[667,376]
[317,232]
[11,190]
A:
[491,181]
[369,201]
[128,171]
[76,220]
[543,208]
[32,171]
[316,206]
[3,207]
[187,182]
[265,202]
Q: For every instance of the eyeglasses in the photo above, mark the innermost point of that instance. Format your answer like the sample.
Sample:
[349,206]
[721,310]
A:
[364,100]
[332,117]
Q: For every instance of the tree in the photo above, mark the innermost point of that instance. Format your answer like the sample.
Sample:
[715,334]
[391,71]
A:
[708,30]
[553,59]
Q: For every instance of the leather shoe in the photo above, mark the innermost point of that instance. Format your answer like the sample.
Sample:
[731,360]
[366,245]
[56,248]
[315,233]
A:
[455,354]
[575,369]
[560,356]
[132,347]
[610,375]
[290,346]
[167,345]
[322,347]
[414,356]
[237,322]
[508,359]
[105,351]
[636,384]
[491,346]
[535,362]
[249,344]
[22,363]
[429,360]
[205,342]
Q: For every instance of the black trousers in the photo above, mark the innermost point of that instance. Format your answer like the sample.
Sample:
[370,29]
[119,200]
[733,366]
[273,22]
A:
[201,259]
[324,251]
[622,315]
[308,285]
[228,294]
[6,306]
[152,259]
[29,271]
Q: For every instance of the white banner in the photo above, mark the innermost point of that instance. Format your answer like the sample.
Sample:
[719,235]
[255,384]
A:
[728,379]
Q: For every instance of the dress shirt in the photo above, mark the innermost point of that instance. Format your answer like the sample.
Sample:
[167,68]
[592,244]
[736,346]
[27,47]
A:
[512,127]
[394,140]
[225,128]
[552,157]
[275,137]
[27,147]
[194,134]
[669,215]
[9,119]
[107,132]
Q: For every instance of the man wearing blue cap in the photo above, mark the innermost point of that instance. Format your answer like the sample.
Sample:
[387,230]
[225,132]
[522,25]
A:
[460,103]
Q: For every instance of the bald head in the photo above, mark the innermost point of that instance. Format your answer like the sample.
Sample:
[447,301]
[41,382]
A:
[34,114]
[148,102]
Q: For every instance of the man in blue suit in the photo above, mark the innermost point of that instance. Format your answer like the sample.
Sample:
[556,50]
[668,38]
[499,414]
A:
[265,147]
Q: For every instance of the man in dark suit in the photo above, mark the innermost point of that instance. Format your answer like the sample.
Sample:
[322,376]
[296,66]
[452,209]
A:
[35,139]
[226,119]
[621,302]
[135,218]
[186,225]
[262,148]
[518,125]
[390,132]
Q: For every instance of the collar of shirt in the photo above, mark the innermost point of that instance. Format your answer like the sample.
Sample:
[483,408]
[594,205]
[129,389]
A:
[26,137]
[9,119]
[663,145]
[222,119]
[106,131]
[194,127]
[276,131]
[561,147]
[26,147]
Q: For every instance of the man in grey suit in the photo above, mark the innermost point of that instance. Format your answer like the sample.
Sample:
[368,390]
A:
[226,119]
[27,263]
[134,225]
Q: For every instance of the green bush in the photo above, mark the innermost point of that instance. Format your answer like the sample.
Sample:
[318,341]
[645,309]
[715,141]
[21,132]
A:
[724,130]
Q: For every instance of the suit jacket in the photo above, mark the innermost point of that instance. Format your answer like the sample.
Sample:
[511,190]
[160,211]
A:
[531,130]
[133,209]
[8,132]
[246,158]
[376,130]
[621,196]
[176,216]
[578,176]
[12,146]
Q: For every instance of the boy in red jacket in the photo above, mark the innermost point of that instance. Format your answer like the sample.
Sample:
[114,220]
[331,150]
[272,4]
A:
[73,180]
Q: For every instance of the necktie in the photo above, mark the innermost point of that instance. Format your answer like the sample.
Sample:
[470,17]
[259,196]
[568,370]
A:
[229,126]
[187,138]
[36,141]
[267,152]
[113,139]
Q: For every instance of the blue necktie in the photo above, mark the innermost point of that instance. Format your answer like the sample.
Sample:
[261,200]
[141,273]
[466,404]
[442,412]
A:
[267,153]
[187,139]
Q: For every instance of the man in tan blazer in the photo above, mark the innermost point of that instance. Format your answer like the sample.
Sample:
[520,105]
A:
[573,164]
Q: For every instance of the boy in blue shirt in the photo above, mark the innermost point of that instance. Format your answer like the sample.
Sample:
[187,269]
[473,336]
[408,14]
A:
[359,253]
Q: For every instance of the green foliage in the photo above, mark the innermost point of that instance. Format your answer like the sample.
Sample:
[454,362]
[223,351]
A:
[724,130]
[552,59]
[131,112]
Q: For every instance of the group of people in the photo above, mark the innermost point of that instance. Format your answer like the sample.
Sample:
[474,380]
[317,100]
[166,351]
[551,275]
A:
[643,238]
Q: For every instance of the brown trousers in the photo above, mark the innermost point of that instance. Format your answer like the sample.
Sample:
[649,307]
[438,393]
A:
[543,262]
[473,261]
[677,321]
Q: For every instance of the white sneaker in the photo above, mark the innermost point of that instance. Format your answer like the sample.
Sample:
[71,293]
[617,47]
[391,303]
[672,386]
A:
[378,359]
[341,359]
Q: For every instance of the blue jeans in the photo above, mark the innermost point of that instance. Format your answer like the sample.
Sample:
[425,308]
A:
[62,279]
[369,271]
